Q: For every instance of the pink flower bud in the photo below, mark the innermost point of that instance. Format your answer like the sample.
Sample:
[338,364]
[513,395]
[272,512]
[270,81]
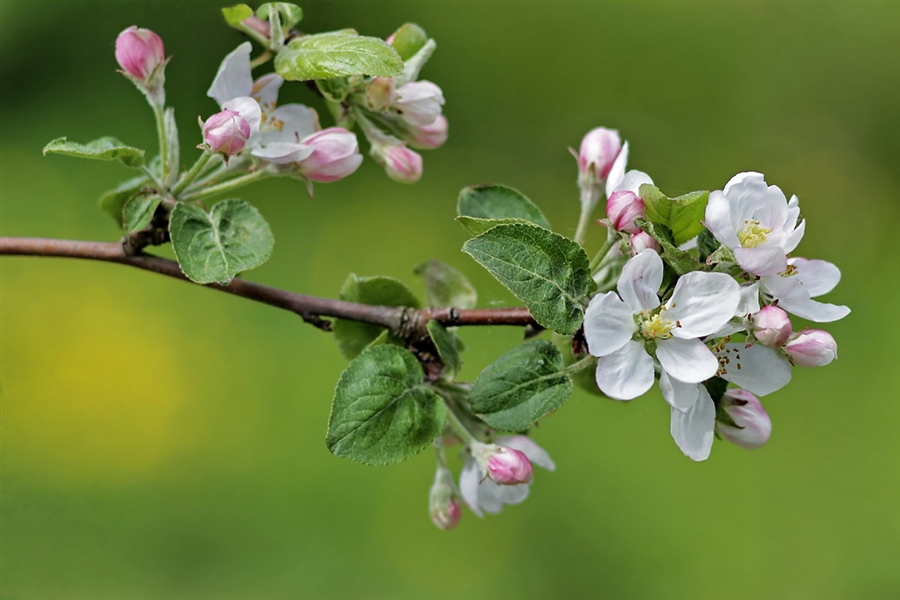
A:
[401,164]
[335,155]
[811,348]
[258,25]
[771,326]
[226,132]
[380,93]
[623,208]
[429,137]
[139,52]
[642,241]
[509,467]
[750,425]
[443,505]
[598,151]
[419,102]
[446,516]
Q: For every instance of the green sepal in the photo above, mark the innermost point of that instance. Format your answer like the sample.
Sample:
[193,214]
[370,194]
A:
[335,89]
[498,202]
[105,148]
[521,386]
[445,342]
[681,262]
[445,287]
[408,39]
[337,54]
[682,215]
[113,202]
[213,247]
[237,13]
[382,413]
[545,270]
[139,211]
[353,336]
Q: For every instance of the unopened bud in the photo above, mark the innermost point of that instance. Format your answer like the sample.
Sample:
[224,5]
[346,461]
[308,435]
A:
[509,467]
[429,137]
[623,208]
[599,149]
[771,326]
[380,93]
[418,102]
[139,52]
[260,26]
[443,505]
[335,155]
[400,163]
[742,420]
[226,132]
[641,241]
[811,348]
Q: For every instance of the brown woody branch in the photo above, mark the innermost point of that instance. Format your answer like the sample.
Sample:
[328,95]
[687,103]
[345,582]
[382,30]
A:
[405,321]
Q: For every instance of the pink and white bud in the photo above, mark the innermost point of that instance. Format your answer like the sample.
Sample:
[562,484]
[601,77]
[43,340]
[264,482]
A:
[260,26]
[811,348]
[335,155]
[140,53]
[599,149]
[443,504]
[508,466]
[641,241]
[400,163]
[380,93]
[771,326]
[623,208]
[750,426]
[418,102]
[429,137]
[226,132]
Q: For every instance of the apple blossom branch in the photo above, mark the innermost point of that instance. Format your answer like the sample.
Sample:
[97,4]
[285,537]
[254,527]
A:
[310,308]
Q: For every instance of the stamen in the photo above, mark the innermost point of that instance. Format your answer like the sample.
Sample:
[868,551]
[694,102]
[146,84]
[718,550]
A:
[752,234]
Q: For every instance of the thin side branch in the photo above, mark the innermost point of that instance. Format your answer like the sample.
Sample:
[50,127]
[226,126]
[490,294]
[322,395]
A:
[310,308]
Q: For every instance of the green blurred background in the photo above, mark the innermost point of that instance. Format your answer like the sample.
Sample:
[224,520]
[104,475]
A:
[162,441]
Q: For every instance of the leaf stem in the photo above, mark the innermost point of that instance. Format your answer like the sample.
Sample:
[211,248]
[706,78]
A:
[192,174]
[589,197]
[458,428]
[231,184]
[604,250]
[582,364]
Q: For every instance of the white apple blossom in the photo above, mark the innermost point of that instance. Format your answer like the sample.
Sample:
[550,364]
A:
[482,494]
[795,287]
[626,330]
[756,222]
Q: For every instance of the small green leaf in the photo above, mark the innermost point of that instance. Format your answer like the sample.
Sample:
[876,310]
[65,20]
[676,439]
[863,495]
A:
[548,272]
[213,247]
[382,413]
[352,336]
[413,65]
[408,40]
[688,212]
[477,226]
[657,205]
[498,202]
[290,14]
[521,386]
[681,262]
[445,342]
[113,202]
[237,13]
[139,211]
[105,148]
[335,90]
[336,54]
[706,244]
[445,287]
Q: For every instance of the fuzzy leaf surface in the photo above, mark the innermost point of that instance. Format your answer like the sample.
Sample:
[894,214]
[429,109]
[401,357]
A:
[498,202]
[139,210]
[445,342]
[113,202]
[337,54]
[382,413]
[105,148]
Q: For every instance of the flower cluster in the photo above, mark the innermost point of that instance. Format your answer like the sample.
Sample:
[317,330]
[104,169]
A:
[723,321]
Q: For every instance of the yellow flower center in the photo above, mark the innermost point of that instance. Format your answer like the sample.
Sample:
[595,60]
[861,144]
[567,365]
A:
[657,328]
[752,235]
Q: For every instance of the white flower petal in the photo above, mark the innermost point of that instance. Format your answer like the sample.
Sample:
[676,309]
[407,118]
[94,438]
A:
[532,450]
[468,484]
[693,430]
[233,79]
[281,153]
[640,281]
[820,312]
[702,303]
[689,361]
[793,238]
[492,496]
[617,171]
[758,369]
[295,121]
[718,219]
[762,260]
[265,90]
[632,181]
[817,276]
[626,373]
[678,394]
[749,302]
[608,324]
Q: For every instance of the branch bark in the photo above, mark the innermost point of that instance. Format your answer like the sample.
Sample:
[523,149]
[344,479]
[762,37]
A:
[311,308]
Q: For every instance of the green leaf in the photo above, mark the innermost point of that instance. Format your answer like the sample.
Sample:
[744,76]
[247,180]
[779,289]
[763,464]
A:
[413,65]
[707,244]
[382,413]
[521,386]
[548,272]
[352,336]
[477,226]
[139,211]
[336,54]
[408,40]
[445,342]
[682,215]
[105,148]
[681,262]
[498,202]
[290,14]
[237,13]
[658,206]
[213,247]
[113,202]
[445,287]
[335,89]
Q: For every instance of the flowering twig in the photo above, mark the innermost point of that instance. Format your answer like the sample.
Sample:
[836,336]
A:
[310,308]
